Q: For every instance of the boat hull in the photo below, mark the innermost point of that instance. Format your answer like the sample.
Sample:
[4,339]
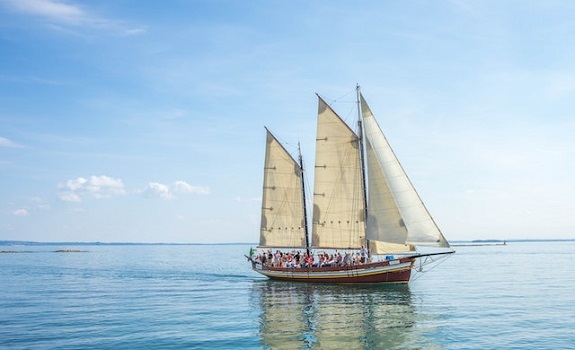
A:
[394,271]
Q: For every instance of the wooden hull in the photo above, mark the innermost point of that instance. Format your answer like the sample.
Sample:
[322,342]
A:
[394,271]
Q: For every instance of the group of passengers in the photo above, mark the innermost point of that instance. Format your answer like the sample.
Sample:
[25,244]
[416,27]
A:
[297,259]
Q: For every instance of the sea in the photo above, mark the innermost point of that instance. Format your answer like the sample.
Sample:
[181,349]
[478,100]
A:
[100,296]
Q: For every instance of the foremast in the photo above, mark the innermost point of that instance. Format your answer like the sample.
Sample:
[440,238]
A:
[305,224]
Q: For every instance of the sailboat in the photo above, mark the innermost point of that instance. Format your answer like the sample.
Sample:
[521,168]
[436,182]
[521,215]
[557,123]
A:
[369,225]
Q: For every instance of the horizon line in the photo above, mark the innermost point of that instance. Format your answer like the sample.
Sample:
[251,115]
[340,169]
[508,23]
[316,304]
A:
[23,242]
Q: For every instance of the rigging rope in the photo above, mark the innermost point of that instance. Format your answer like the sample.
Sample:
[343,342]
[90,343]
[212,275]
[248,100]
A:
[420,272]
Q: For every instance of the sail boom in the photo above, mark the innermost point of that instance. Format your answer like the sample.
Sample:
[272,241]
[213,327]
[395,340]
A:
[279,247]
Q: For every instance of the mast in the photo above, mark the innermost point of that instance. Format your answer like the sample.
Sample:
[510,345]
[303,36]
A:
[362,161]
[303,199]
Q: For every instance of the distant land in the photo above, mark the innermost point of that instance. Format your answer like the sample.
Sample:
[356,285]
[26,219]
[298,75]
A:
[35,243]
[479,242]
[456,242]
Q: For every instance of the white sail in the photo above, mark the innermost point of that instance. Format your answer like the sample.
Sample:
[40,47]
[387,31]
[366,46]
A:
[394,195]
[282,221]
[384,222]
[338,215]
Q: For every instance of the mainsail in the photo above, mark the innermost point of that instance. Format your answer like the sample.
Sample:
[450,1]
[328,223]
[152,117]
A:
[338,197]
[282,221]
[396,212]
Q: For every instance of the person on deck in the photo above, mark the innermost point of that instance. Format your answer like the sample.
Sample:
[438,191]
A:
[363,252]
[347,259]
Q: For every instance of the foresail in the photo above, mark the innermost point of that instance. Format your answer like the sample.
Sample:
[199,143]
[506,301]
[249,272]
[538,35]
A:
[384,221]
[396,191]
[338,195]
[282,220]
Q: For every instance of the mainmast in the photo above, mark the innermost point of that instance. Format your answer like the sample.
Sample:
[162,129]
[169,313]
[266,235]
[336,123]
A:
[362,161]
[304,200]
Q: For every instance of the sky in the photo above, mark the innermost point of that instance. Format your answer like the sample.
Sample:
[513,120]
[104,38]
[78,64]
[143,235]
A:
[143,121]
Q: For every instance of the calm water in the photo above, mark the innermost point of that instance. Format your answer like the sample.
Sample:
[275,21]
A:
[519,296]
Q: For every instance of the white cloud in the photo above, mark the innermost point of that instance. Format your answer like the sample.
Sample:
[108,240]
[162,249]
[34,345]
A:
[169,191]
[184,187]
[69,197]
[68,13]
[75,184]
[161,190]
[20,212]
[134,31]
[96,186]
[51,9]
[4,142]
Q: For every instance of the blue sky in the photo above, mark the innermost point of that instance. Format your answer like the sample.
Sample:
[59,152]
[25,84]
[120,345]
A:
[142,121]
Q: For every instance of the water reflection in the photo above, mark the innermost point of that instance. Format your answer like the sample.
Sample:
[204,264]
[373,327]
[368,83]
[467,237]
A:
[306,316]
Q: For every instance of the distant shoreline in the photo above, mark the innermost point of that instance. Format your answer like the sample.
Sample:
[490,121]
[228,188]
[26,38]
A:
[479,244]
[454,243]
[35,243]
